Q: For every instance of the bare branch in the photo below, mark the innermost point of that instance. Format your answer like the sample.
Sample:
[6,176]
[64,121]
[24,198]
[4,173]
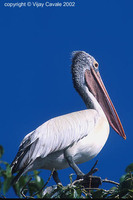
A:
[21,192]
[109,181]
[45,183]
[93,169]
[2,196]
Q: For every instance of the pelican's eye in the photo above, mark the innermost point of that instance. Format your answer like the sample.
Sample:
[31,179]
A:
[95,65]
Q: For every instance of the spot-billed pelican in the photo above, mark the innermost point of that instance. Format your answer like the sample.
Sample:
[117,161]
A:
[76,137]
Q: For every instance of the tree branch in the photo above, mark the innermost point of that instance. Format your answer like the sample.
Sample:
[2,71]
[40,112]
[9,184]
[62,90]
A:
[109,181]
[45,183]
[21,192]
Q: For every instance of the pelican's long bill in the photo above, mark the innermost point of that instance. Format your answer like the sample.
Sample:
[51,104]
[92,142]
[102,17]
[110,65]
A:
[97,88]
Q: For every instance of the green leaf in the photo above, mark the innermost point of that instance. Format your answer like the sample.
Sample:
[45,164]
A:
[124,177]
[99,194]
[20,184]
[36,172]
[129,168]
[70,177]
[1,151]
[1,171]
[75,194]
[32,187]
[126,184]
[17,189]
[0,186]
[6,184]
[8,171]
[38,180]
[79,192]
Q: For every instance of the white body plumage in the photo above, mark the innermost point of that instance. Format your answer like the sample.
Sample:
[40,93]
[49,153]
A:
[84,133]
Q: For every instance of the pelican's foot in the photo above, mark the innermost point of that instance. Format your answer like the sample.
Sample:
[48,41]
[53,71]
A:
[88,180]
[80,177]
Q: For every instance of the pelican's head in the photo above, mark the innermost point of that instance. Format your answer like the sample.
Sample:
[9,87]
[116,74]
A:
[81,62]
[85,74]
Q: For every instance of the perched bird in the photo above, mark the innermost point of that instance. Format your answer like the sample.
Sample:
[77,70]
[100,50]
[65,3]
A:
[73,138]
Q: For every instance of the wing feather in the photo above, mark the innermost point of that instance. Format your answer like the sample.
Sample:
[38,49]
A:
[56,134]
[61,132]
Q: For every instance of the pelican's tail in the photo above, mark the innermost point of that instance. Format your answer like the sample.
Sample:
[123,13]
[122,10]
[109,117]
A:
[18,165]
[17,177]
[22,161]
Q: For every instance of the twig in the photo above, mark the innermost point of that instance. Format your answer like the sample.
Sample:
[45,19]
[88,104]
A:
[21,192]
[90,185]
[109,181]
[77,181]
[3,196]
[44,184]
[93,188]
[93,170]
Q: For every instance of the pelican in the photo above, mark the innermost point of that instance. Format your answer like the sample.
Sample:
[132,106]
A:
[73,138]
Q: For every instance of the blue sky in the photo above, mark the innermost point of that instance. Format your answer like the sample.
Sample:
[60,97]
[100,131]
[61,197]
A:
[35,72]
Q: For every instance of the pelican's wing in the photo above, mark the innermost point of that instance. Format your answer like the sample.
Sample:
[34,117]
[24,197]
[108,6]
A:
[54,135]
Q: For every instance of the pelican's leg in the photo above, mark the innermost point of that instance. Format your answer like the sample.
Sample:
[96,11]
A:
[88,179]
[56,178]
[73,165]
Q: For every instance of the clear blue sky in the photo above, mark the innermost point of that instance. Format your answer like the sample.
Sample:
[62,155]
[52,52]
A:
[35,73]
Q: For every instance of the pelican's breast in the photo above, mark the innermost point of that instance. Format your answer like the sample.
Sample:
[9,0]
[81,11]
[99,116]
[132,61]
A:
[88,147]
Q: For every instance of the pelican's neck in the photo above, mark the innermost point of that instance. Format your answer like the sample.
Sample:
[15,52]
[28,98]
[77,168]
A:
[90,101]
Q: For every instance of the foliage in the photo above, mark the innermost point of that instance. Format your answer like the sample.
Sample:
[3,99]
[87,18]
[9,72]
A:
[30,186]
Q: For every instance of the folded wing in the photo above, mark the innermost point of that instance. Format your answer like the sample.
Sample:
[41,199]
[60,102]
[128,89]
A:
[54,135]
